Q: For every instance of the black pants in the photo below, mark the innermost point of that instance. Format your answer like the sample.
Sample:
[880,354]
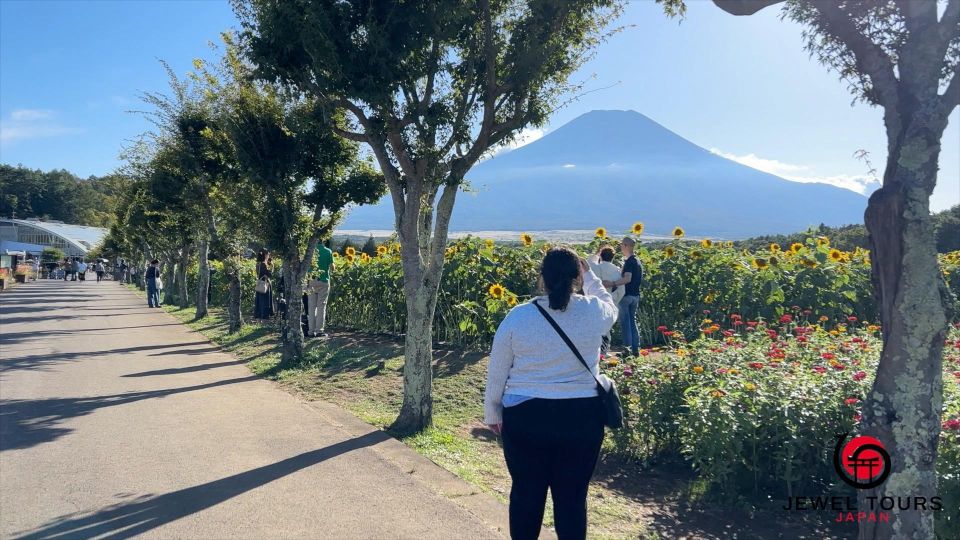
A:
[551,443]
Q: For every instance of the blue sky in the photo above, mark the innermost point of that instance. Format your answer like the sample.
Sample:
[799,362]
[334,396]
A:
[743,87]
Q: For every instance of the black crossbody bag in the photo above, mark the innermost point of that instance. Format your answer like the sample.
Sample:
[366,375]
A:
[612,408]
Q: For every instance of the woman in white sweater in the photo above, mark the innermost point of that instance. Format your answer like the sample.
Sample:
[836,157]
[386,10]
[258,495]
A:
[543,401]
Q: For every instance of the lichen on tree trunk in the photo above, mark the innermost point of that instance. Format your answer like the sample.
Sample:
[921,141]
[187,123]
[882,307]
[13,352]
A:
[904,406]
[291,333]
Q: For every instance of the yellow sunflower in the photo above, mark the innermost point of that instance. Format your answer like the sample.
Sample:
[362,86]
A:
[350,258]
[489,243]
[637,228]
[696,254]
[512,300]
[668,251]
[381,250]
[678,232]
[497,291]
[351,252]
[759,263]
[809,263]
[823,241]
[706,243]
[709,298]
[336,255]
[836,255]
[364,258]
[600,232]
[526,239]
[774,261]
[774,248]
[796,247]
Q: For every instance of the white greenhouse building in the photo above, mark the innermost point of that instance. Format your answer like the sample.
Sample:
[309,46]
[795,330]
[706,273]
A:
[31,236]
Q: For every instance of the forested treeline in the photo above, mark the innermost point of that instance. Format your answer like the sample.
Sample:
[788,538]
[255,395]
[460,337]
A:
[59,195]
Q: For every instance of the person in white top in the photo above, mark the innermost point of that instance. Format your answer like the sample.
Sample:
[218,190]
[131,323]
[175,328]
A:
[602,265]
[544,402]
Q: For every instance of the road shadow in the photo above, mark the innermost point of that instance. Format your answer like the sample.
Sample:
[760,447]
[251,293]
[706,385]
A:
[41,362]
[188,369]
[28,422]
[11,338]
[151,511]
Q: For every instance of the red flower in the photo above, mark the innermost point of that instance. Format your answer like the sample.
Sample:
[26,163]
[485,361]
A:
[661,328]
[772,333]
[735,316]
[727,333]
[786,318]
[828,356]
[667,333]
[860,375]
[737,322]
[722,370]
[852,319]
[751,324]
[856,418]
[644,352]
[802,339]
[952,424]
[851,401]
[839,367]
[756,365]
[820,369]
[627,371]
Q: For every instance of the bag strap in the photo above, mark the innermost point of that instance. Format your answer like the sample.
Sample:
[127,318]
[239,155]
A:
[563,336]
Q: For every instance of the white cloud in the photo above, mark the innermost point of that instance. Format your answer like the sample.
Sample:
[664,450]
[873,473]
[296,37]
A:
[523,138]
[28,115]
[569,166]
[854,182]
[32,124]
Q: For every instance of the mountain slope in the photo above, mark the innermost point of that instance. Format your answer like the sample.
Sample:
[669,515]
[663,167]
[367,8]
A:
[613,168]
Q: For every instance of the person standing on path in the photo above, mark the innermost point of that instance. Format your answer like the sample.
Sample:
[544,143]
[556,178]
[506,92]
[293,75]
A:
[602,265]
[543,401]
[319,292]
[631,278]
[152,277]
[99,270]
[263,301]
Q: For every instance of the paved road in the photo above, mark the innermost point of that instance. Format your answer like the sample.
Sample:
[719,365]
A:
[116,421]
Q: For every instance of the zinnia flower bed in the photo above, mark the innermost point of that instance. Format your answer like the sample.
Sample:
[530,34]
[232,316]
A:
[754,406]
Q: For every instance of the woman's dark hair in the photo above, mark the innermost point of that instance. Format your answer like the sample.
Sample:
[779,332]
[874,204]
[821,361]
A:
[155,261]
[262,255]
[606,254]
[560,268]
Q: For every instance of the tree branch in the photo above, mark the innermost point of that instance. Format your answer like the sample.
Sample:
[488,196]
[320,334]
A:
[744,7]
[869,56]
[951,97]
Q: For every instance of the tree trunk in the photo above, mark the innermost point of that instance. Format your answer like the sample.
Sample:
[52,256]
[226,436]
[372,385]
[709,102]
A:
[203,279]
[168,266]
[183,296]
[416,413]
[903,408]
[234,310]
[291,333]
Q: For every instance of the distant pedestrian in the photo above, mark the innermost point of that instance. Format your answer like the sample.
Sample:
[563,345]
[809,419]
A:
[318,291]
[263,302]
[544,401]
[631,278]
[66,268]
[74,268]
[153,284]
[99,269]
[82,268]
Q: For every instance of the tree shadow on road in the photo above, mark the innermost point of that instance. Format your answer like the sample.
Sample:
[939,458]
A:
[28,422]
[151,511]
[40,362]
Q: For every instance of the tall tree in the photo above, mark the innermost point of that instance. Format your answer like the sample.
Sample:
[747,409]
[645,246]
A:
[430,86]
[300,176]
[903,56]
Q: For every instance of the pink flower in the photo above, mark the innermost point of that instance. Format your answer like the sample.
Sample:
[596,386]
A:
[828,356]
[786,318]
[851,401]
[851,319]
[857,417]
[839,367]
[819,369]
[860,375]
[756,365]
[953,424]
[627,371]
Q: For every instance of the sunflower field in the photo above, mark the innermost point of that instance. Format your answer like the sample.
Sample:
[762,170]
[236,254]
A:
[482,280]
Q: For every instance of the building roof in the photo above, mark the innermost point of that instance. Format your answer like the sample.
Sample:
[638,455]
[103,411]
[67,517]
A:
[84,235]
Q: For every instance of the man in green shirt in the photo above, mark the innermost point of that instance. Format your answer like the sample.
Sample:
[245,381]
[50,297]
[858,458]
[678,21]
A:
[318,291]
